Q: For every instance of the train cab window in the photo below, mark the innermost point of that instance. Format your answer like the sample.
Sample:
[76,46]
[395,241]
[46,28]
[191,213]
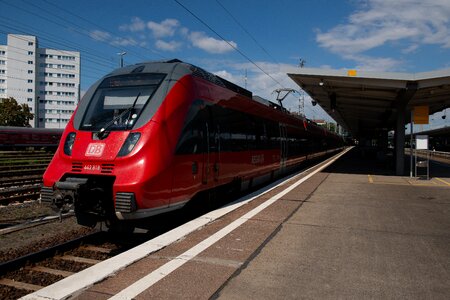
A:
[118,101]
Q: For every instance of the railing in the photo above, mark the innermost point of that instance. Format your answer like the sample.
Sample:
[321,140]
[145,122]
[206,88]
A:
[434,155]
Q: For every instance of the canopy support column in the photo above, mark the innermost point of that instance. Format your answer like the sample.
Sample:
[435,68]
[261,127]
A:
[400,142]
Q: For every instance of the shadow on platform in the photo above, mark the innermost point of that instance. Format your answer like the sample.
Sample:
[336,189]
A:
[360,161]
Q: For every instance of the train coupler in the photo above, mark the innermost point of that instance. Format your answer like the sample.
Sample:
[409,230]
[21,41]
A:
[66,192]
[89,197]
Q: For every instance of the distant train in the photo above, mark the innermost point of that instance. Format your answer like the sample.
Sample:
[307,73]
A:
[16,138]
[148,138]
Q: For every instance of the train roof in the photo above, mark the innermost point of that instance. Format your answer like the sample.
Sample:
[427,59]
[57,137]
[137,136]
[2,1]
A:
[178,69]
[182,68]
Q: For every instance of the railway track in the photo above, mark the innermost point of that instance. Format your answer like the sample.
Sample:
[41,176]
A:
[10,227]
[34,271]
[19,181]
[31,272]
[24,153]
[19,172]
[19,194]
[21,175]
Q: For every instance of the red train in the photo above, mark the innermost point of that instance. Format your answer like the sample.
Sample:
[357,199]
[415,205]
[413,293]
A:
[13,138]
[148,138]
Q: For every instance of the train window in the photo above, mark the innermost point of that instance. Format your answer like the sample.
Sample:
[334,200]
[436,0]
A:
[273,135]
[221,116]
[238,131]
[119,101]
[191,140]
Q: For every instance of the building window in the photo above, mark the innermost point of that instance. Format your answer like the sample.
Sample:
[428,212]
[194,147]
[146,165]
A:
[2,71]
[2,62]
[30,71]
[30,99]
[30,43]
[66,57]
[30,80]
[30,52]
[2,80]
[30,90]
[2,52]
[30,62]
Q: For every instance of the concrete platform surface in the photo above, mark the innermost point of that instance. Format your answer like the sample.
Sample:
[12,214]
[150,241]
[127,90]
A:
[357,237]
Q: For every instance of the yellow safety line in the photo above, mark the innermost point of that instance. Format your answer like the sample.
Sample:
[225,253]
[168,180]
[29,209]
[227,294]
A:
[423,184]
[409,182]
[391,183]
[442,180]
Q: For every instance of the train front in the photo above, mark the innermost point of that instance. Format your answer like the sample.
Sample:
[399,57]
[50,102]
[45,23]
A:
[112,153]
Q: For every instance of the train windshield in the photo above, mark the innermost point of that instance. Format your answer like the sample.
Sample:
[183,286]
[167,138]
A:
[118,101]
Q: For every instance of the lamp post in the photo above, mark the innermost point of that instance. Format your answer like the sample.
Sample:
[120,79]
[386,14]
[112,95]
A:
[121,57]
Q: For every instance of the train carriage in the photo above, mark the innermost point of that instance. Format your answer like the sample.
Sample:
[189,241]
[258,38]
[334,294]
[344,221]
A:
[16,138]
[148,138]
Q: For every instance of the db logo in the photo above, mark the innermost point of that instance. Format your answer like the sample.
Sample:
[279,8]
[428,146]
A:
[95,149]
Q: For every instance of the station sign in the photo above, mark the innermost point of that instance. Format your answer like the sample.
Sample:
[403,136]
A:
[421,114]
[422,142]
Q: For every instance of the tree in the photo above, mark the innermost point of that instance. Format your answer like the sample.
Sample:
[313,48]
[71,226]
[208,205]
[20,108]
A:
[14,114]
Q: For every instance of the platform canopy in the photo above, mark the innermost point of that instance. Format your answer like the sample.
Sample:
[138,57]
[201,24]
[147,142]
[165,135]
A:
[367,102]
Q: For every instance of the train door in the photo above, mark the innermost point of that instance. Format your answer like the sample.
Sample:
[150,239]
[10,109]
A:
[283,146]
[211,159]
[216,154]
[206,155]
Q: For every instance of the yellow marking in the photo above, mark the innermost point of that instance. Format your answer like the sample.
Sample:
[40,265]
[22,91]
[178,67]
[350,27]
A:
[422,184]
[380,181]
[442,180]
[351,73]
[429,183]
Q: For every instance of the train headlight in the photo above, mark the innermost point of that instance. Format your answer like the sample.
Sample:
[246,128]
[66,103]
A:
[68,144]
[129,143]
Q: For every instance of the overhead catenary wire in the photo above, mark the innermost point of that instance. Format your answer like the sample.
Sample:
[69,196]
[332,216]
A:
[100,27]
[90,57]
[228,42]
[62,51]
[236,49]
[246,31]
[76,28]
[48,39]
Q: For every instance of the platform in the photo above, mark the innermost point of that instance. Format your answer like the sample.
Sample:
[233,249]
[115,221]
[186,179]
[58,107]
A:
[350,231]
[362,234]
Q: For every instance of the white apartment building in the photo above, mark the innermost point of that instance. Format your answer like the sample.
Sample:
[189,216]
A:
[48,80]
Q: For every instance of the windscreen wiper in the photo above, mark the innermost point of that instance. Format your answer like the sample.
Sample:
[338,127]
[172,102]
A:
[101,132]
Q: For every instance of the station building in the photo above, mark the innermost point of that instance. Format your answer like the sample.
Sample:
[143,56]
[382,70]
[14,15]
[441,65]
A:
[48,80]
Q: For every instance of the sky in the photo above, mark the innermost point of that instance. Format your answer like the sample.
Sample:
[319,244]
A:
[252,43]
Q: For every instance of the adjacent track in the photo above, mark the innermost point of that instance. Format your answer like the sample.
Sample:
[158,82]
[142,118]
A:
[34,271]
[21,175]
